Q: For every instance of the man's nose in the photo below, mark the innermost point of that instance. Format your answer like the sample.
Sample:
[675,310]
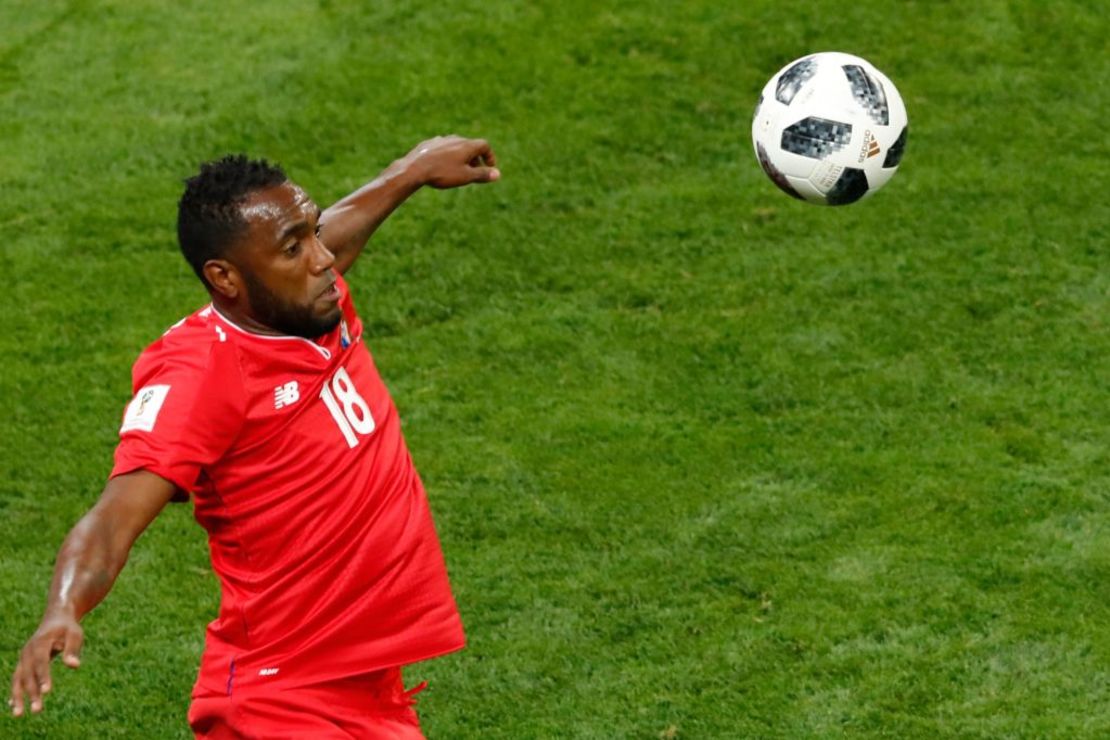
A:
[322,258]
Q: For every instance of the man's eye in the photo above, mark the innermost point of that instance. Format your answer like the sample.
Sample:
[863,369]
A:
[292,249]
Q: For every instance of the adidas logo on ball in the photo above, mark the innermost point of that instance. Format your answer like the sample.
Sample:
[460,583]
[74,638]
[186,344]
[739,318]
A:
[870,147]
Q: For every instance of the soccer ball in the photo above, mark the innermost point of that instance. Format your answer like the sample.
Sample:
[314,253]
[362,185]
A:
[830,128]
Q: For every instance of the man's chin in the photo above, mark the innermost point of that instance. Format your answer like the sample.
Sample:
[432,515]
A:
[331,321]
[310,327]
[318,327]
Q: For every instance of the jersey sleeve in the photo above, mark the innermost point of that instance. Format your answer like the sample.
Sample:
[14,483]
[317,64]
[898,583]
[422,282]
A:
[187,410]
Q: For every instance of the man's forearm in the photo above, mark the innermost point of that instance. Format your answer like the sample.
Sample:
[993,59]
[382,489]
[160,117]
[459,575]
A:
[96,549]
[347,225]
[92,555]
[87,566]
[441,162]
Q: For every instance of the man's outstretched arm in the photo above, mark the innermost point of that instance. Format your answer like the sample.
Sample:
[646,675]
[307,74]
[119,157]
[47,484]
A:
[91,557]
[442,162]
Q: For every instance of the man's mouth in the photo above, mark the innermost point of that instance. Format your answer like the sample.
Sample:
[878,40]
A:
[331,292]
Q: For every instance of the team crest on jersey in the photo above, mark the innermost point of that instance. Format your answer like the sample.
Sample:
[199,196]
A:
[344,335]
[143,410]
[286,395]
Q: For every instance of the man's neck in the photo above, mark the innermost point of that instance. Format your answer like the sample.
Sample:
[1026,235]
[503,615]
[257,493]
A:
[242,318]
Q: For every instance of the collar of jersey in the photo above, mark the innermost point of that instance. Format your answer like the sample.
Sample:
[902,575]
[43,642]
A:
[272,337]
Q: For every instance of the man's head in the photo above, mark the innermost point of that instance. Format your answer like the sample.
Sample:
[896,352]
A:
[251,236]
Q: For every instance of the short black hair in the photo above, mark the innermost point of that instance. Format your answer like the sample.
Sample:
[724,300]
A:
[208,217]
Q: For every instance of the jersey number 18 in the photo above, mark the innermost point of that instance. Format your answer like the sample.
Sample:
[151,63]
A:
[347,407]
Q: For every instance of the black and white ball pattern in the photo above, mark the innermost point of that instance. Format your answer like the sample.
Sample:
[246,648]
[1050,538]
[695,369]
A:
[830,128]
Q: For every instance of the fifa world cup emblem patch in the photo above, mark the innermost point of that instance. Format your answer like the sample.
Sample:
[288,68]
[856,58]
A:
[146,398]
[143,410]
[344,335]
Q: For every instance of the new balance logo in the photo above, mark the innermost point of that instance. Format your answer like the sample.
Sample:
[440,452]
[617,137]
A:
[286,395]
[268,672]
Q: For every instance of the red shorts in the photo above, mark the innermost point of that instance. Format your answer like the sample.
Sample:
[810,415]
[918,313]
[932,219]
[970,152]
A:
[374,706]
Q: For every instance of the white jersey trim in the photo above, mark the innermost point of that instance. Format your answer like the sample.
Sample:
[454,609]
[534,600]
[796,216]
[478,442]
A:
[324,352]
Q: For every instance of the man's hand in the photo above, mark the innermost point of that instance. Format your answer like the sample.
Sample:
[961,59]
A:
[452,161]
[58,633]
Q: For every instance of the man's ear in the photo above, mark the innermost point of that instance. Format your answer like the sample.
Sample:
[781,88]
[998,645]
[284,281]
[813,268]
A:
[224,278]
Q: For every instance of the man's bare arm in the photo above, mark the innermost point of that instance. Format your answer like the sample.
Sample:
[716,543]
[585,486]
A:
[89,560]
[442,162]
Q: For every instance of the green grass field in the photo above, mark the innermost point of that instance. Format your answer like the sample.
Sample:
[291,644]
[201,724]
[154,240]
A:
[706,462]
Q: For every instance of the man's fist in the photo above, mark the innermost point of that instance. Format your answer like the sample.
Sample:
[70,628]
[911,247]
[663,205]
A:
[452,161]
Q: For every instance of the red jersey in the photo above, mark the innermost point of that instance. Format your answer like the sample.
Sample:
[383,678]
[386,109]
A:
[318,525]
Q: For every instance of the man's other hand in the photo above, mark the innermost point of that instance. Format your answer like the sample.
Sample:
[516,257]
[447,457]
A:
[452,161]
[58,633]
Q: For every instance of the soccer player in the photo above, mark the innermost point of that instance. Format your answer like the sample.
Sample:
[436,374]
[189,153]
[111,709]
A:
[265,406]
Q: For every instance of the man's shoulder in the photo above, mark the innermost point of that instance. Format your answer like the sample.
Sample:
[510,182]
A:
[188,344]
[202,327]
